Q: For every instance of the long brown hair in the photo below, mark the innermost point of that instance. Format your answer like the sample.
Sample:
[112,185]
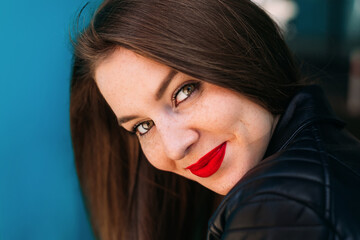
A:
[230,43]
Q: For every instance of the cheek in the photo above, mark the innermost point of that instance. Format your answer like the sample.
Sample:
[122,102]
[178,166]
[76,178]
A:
[217,112]
[226,113]
[155,155]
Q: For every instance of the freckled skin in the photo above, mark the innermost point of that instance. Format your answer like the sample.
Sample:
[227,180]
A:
[181,135]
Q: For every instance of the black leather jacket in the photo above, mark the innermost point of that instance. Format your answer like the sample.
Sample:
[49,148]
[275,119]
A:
[307,186]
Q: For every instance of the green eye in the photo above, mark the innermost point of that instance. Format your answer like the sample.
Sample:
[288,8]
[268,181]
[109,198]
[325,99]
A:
[184,93]
[144,127]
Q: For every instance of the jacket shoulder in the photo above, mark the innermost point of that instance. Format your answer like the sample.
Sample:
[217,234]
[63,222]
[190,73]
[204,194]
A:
[291,191]
[271,216]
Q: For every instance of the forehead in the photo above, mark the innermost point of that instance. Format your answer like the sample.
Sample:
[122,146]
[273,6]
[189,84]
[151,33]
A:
[124,66]
[125,76]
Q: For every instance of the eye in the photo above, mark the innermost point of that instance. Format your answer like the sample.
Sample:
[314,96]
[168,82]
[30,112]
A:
[184,92]
[143,127]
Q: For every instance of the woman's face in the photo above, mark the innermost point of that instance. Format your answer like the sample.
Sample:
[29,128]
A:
[198,130]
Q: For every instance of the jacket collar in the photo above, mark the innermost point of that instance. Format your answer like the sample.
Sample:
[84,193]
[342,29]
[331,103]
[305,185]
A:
[309,105]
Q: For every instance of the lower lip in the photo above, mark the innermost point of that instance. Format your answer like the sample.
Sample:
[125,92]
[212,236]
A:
[210,163]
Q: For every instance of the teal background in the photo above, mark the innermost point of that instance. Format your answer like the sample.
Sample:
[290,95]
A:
[39,193]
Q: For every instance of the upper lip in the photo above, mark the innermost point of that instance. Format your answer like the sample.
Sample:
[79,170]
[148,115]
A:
[202,167]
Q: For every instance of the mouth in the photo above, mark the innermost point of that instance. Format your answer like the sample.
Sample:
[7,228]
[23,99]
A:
[209,163]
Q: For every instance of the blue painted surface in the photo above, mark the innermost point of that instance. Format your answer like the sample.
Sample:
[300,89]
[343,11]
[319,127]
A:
[39,192]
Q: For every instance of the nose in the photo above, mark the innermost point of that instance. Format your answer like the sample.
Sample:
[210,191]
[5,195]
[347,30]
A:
[176,136]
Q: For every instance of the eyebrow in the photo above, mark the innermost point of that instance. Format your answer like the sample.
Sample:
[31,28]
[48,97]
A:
[159,93]
[123,120]
[164,84]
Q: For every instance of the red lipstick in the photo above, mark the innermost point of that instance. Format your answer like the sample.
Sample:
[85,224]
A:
[209,163]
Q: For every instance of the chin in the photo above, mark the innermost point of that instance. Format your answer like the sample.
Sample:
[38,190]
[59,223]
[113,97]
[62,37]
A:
[221,189]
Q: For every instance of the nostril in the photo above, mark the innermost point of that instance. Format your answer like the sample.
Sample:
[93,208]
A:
[176,136]
[188,149]
[180,146]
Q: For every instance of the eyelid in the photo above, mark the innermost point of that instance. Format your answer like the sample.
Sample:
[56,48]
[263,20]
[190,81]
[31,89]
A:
[134,128]
[177,90]
[136,125]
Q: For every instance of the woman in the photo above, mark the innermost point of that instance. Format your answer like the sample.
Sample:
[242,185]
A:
[207,90]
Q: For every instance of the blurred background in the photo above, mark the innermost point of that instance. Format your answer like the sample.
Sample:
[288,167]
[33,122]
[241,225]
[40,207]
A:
[325,37]
[39,193]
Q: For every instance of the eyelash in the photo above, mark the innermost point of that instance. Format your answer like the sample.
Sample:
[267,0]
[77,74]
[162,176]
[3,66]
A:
[196,86]
[135,131]
[177,91]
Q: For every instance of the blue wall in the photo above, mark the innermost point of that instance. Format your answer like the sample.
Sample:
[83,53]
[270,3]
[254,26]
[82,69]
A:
[39,193]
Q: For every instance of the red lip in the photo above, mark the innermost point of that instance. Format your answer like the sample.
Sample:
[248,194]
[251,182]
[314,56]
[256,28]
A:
[209,163]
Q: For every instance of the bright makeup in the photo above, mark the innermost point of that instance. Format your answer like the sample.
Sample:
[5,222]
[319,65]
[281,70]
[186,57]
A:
[209,163]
